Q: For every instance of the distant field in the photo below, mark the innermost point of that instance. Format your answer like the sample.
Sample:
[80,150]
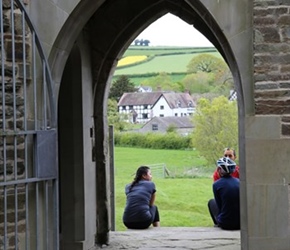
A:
[157,50]
[173,59]
[138,79]
[182,202]
[171,63]
[165,59]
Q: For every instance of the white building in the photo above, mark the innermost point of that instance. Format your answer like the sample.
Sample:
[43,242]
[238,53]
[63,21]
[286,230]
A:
[144,89]
[144,106]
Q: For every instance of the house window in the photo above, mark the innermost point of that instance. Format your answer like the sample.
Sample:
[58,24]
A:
[145,116]
[161,115]
[154,126]
[131,107]
[176,114]
[190,104]
[178,104]
[161,107]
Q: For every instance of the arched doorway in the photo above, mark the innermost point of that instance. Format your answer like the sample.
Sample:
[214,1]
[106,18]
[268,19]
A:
[108,29]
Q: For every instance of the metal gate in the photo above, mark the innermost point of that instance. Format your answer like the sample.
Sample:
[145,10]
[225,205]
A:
[28,137]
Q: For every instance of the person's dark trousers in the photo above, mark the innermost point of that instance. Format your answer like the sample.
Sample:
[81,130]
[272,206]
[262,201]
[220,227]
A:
[155,213]
[144,224]
[213,210]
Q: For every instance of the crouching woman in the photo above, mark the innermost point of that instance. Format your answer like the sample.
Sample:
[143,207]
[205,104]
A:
[140,211]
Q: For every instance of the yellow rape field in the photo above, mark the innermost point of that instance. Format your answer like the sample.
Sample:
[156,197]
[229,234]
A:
[130,60]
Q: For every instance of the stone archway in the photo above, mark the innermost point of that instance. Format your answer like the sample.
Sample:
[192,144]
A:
[109,27]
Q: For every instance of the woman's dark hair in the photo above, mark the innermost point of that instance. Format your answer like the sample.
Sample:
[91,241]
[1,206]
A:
[139,173]
[234,151]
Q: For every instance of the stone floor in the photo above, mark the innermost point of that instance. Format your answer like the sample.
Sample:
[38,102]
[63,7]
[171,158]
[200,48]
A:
[177,238]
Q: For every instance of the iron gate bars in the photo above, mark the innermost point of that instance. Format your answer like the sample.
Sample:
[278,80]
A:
[28,137]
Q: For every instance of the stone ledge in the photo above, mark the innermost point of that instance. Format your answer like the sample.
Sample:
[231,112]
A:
[174,238]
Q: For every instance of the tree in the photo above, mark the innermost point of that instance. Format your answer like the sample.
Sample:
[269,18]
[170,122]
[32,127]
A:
[171,129]
[206,63]
[200,82]
[120,86]
[162,82]
[146,42]
[116,119]
[216,127]
[224,82]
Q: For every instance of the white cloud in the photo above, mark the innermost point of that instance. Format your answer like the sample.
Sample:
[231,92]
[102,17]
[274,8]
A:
[170,30]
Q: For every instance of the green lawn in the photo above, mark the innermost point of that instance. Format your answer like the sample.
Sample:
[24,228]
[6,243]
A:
[182,202]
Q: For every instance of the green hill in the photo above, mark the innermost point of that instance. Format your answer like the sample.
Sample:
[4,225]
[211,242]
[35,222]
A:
[172,60]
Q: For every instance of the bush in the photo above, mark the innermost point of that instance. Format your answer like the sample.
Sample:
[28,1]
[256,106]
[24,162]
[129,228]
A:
[152,140]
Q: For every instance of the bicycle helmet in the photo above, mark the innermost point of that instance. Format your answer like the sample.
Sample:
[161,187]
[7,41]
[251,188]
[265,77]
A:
[226,165]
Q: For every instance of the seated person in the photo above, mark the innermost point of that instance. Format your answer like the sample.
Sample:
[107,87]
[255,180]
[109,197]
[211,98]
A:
[140,211]
[231,153]
[225,207]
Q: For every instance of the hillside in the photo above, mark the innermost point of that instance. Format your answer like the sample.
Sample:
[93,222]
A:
[161,59]
[157,59]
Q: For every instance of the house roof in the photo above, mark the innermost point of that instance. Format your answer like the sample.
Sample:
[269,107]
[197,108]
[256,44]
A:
[178,122]
[145,98]
[181,100]
[174,100]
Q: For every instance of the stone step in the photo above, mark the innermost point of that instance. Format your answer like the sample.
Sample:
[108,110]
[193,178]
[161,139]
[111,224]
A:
[178,238]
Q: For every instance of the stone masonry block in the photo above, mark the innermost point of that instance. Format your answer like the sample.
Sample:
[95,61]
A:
[269,34]
[264,21]
[264,3]
[270,59]
[284,20]
[286,119]
[265,86]
[18,51]
[272,48]
[272,94]
[284,85]
[285,129]
[262,12]
[285,68]
[270,107]
[18,25]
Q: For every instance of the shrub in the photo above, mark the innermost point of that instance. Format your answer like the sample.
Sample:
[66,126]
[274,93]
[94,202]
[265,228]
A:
[152,140]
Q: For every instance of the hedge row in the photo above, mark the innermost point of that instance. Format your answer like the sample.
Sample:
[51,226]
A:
[152,74]
[151,57]
[152,140]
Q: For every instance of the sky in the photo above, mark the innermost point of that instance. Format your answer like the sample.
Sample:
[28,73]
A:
[170,30]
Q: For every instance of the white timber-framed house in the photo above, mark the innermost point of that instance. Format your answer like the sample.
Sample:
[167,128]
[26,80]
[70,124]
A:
[142,107]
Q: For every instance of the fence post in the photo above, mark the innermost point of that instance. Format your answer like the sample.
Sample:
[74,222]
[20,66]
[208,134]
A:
[112,176]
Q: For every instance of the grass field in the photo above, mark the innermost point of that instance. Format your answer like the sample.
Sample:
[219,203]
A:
[165,59]
[138,79]
[161,50]
[182,202]
[167,63]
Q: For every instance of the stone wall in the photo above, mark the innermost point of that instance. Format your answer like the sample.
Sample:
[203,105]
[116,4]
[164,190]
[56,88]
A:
[12,167]
[272,60]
